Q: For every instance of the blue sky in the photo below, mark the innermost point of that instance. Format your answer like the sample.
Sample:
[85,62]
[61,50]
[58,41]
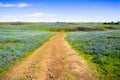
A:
[59,10]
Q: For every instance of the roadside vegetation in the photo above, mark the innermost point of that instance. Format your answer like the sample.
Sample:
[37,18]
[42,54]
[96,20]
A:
[18,44]
[101,48]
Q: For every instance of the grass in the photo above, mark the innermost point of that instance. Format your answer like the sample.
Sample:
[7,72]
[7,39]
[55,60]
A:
[17,44]
[101,48]
[72,76]
[58,26]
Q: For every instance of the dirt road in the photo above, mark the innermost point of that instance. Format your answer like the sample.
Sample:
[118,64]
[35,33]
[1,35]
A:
[55,60]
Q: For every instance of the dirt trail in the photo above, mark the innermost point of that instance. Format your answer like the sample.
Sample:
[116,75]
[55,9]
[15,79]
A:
[55,60]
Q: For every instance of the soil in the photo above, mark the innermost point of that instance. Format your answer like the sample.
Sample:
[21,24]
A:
[55,60]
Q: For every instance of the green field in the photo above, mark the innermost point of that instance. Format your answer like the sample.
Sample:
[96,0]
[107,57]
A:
[98,43]
[101,48]
[15,44]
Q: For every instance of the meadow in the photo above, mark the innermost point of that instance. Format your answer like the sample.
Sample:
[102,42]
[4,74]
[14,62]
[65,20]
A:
[102,48]
[16,44]
[58,26]
[97,43]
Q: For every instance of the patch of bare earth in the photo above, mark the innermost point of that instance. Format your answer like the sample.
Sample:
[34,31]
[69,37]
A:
[55,60]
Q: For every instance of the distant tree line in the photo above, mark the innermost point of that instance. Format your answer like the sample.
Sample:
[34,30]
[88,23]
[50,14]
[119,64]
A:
[112,22]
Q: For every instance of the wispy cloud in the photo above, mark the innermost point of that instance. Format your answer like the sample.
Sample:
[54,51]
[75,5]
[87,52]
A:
[51,15]
[35,14]
[40,14]
[20,5]
[7,16]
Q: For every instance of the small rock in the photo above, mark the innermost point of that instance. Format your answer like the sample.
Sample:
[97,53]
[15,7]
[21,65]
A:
[49,68]
[51,75]
[29,76]
[56,63]
[63,58]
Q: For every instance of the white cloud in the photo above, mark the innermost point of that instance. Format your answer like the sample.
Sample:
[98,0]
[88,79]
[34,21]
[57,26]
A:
[23,5]
[20,5]
[50,15]
[40,14]
[35,14]
[7,16]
